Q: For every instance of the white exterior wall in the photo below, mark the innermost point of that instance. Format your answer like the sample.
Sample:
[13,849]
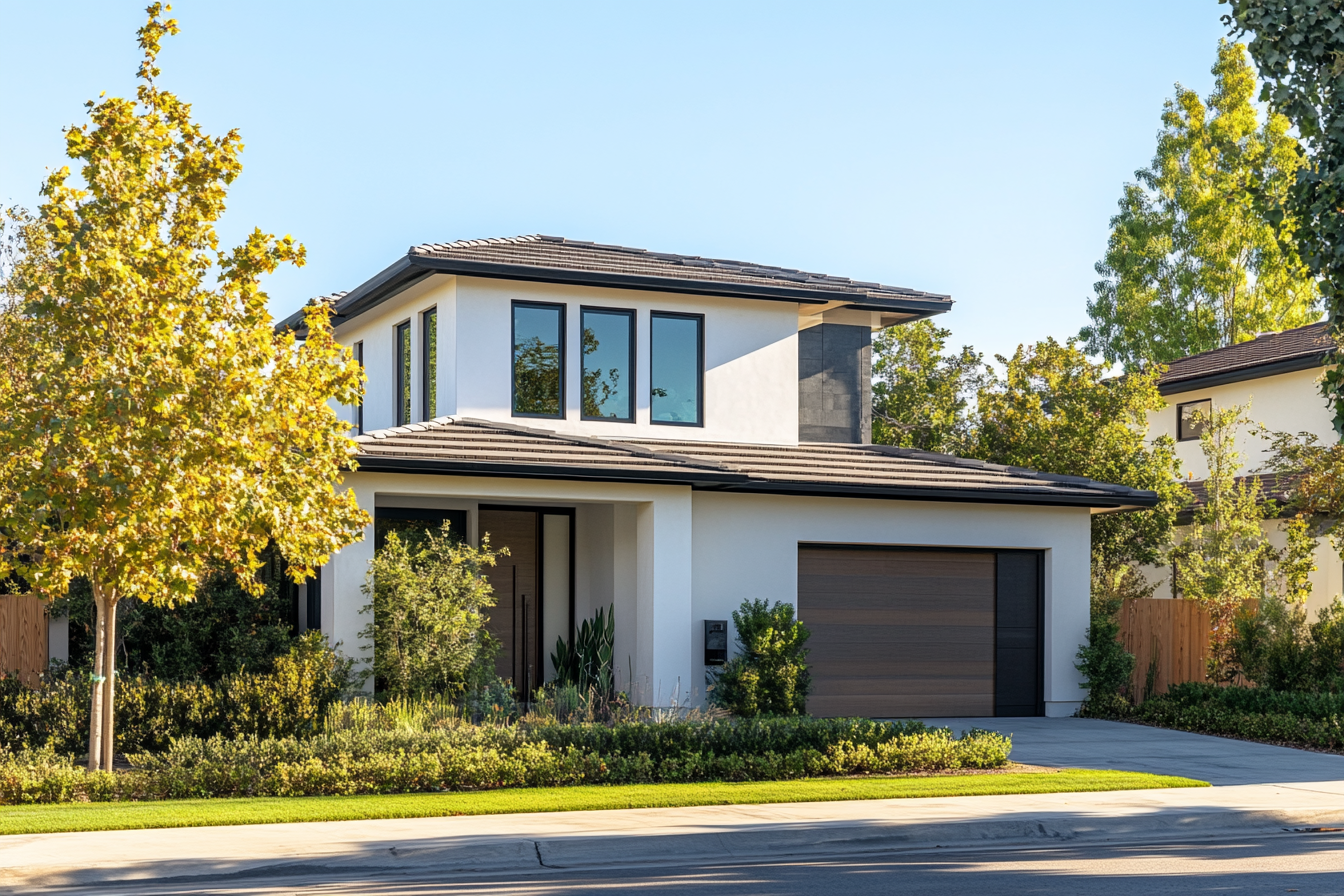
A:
[746,547]
[668,558]
[751,358]
[1288,402]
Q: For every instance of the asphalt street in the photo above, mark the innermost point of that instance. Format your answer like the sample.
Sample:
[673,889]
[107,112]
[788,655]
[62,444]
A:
[1306,863]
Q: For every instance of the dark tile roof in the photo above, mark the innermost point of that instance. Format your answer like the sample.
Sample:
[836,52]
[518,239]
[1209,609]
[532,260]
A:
[1276,487]
[553,259]
[559,253]
[1298,349]
[479,447]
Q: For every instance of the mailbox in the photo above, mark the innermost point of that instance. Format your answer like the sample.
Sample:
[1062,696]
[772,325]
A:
[716,642]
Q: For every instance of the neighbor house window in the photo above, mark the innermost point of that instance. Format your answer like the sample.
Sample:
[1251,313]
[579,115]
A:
[1191,418]
[429,363]
[538,360]
[608,364]
[359,402]
[403,373]
[676,368]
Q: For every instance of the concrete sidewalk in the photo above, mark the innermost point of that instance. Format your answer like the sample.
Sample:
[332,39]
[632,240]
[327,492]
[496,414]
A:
[511,843]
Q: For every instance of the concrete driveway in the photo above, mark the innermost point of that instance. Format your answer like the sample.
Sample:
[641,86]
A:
[1093,743]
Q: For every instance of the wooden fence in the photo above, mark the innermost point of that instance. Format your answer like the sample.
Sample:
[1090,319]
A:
[1170,638]
[23,637]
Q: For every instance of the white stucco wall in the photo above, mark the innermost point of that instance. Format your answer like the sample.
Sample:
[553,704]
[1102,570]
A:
[669,558]
[751,358]
[1288,402]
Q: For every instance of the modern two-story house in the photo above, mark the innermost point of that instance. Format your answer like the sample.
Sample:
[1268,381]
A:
[1276,376]
[670,435]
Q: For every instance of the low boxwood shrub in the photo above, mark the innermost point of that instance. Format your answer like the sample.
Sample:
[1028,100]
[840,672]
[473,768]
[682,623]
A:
[473,757]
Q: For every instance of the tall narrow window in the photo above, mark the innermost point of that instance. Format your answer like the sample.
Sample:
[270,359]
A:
[403,373]
[676,368]
[608,364]
[429,361]
[538,360]
[359,402]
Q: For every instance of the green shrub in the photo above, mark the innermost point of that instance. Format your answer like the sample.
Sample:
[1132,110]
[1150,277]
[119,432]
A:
[587,665]
[358,753]
[768,676]
[1106,666]
[1278,649]
[1299,718]
[428,598]
[292,700]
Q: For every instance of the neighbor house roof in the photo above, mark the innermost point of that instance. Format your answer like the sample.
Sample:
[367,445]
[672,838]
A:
[554,259]
[1277,487]
[463,446]
[1299,349]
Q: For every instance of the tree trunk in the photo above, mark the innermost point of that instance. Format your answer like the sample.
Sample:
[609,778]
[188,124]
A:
[110,685]
[98,694]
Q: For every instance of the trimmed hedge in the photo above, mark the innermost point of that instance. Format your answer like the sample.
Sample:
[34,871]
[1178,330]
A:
[291,700]
[1297,718]
[467,757]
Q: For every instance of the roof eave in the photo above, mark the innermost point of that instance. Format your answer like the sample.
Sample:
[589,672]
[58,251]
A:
[1242,374]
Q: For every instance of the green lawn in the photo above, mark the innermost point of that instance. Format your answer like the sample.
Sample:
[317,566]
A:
[199,813]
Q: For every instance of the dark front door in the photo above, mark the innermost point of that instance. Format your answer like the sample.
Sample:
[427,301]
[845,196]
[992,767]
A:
[515,619]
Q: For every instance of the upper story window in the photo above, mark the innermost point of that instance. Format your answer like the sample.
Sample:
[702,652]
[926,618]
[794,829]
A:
[403,373]
[1191,418]
[608,364]
[538,359]
[358,349]
[676,368]
[429,363]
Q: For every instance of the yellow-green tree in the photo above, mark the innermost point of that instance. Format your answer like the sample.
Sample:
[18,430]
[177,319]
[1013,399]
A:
[1194,261]
[155,423]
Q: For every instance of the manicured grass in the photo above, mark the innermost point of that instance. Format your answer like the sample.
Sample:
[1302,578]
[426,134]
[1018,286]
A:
[43,819]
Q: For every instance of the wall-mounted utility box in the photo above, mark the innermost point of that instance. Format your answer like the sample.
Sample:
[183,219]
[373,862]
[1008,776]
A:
[716,642]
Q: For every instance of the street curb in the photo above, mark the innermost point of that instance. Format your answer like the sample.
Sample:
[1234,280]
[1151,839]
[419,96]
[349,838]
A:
[740,843]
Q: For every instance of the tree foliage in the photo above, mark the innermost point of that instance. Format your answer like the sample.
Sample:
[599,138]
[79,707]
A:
[922,394]
[1221,559]
[155,425]
[1057,411]
[428,596]
[1194,261]
[1299,49]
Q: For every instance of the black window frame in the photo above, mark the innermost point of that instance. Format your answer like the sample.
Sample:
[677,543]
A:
[700,367]
[563,360]
[1180,414]
[357,350]
[403,395]
[634,376]
[429,386]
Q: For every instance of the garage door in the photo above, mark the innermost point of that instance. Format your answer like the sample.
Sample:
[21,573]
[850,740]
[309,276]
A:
[900,633]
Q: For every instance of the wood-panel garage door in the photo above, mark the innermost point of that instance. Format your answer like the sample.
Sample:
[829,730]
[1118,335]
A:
[898,632]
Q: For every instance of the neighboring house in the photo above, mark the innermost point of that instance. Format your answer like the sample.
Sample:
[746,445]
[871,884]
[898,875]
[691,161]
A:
[672,435]
[1278,376]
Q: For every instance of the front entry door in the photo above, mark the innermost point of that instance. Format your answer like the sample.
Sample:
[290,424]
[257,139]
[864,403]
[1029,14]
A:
[514,618]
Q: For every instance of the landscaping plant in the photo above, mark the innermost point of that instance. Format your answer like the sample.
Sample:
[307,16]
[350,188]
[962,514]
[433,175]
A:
[429,597]
[154,424]
[587,666]
[1278,649]
[768,675]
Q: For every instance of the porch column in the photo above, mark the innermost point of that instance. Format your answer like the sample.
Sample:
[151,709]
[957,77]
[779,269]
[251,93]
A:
[342,599]
[663,668]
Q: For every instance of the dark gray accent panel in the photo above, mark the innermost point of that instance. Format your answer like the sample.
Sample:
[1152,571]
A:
[1019,688]
[835,384]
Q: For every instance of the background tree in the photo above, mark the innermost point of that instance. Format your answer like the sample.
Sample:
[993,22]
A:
[1221,559]
[1055,410]
[166,427]
[922,395]
[1299,49]
[1193,262]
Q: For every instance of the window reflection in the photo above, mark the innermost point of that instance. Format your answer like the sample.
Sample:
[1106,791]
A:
[676,364]
[608,362]
[538,359]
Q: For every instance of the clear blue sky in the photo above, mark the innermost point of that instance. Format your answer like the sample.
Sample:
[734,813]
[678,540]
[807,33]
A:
[976,149]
